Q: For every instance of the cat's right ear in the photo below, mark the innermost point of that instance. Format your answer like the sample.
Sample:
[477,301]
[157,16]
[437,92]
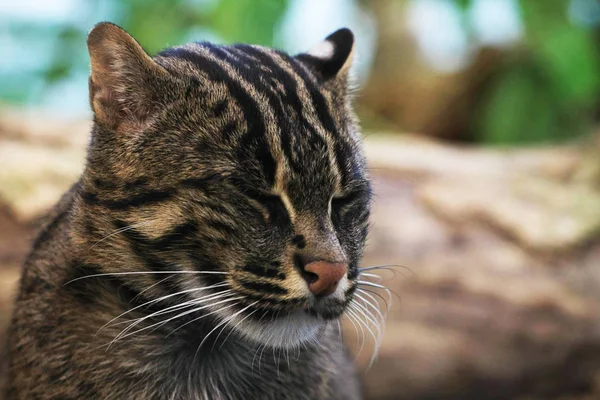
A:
[331,59]
[123,79]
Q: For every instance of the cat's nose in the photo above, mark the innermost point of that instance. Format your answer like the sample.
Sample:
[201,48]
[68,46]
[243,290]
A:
[323,276]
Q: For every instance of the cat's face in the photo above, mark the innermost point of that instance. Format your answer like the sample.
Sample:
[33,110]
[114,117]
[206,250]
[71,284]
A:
[239,167]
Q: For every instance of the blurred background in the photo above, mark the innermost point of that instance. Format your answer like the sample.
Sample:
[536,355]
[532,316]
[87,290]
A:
[481,121]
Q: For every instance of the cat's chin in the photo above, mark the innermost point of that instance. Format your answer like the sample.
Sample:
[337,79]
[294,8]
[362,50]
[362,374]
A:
[286,332]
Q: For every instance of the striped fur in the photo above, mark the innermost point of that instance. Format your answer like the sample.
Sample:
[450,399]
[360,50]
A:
[210,171]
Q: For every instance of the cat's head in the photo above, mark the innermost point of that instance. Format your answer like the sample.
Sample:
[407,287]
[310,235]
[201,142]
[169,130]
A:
[234,174]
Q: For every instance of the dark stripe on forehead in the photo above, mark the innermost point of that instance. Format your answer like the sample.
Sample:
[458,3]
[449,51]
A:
[219,108]
[254,139]
[143,197]
[289,97]
[248,69]
[343,150]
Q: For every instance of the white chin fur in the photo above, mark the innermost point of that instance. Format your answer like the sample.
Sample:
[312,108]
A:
[284,332]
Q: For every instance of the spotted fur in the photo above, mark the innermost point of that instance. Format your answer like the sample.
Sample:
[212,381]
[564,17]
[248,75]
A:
[212,172]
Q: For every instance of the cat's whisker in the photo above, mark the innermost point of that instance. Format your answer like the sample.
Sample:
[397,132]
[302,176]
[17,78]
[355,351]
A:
[355,329]
[374,330]
[162,311]
[159,299]
[220,324]
[368,317]
[287,357]
[152,286]
[372,276]
[380,325]
[374,307]
[378,286]
[258,347]
[375,301]
[194,302]
[227,321]
[266,343]
[373,292]
[375,337]
[120,230]
[254,357]
[206,315]
[393,268]
[161,323]
[134,322]
[236,325]
[264,346]
[360,282]
[123,333]
[355,317]
[276,357]
[147,273]
[385,266]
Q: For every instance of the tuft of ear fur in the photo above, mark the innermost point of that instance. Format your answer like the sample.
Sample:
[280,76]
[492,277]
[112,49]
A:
[332,57]
[123,79]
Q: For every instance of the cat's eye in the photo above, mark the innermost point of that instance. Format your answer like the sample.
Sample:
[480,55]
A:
[272,203]
[340,203]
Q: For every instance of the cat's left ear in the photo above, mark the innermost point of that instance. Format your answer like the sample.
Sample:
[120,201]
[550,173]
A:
[331,59]
[126,84]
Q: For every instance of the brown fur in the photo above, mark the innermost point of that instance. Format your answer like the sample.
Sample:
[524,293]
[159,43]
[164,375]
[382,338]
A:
[210,169]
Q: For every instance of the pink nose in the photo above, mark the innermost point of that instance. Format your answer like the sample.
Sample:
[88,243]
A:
[326,276]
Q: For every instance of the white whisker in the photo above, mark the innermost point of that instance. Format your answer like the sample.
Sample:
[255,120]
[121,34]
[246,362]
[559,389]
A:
[352,314]
[224,324]
[120,230]
[206,315]
[239,322]
[375,338]
[123,335]
[371,276]
[388,305]
[373,320]
[375,301]
[151,286]
[374,307]
[368,316]
[146,272]
[161,299]
[378,286]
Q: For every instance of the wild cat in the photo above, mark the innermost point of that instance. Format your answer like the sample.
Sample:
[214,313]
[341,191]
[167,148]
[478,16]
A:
[212,243]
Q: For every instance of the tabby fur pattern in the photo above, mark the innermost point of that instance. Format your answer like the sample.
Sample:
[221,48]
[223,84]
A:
[173,268]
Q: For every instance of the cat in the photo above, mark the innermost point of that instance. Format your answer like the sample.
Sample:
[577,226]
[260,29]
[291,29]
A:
[212,243]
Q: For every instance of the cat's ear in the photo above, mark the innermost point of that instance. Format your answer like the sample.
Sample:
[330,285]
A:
[331,58]
[123,79]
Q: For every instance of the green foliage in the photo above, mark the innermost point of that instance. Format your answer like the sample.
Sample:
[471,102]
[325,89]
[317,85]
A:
[551,90]
[568,53]
[251,21]
[154,23]
[520,109]
[546,88]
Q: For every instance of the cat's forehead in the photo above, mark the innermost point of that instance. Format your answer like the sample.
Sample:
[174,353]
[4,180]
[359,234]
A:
[283,125]
[253,62]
